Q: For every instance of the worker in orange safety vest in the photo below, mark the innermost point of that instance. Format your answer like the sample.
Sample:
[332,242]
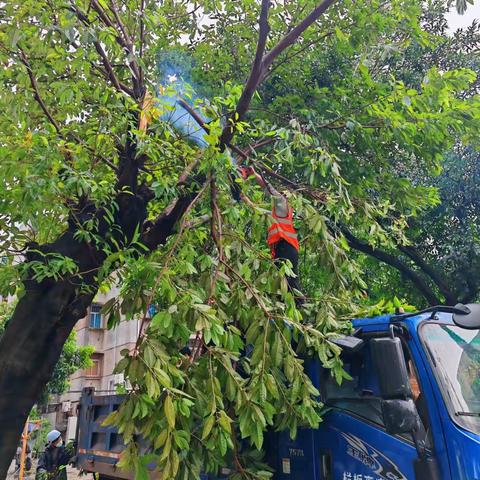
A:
[281,237]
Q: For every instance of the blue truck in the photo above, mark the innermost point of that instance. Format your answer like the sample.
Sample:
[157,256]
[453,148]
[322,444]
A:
[411,410]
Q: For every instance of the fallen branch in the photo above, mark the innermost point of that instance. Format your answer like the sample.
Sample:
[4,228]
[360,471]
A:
[169,211]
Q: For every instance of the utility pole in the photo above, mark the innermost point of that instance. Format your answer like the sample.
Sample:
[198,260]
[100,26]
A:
[24,450]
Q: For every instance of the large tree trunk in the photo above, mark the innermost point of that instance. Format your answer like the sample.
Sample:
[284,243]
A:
[33,340]
[29,350]
[47,312]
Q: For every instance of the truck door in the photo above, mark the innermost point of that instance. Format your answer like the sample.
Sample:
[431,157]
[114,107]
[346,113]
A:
[352,441]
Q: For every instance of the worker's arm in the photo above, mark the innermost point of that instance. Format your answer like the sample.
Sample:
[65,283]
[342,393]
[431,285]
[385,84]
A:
[68,454]
[279,200]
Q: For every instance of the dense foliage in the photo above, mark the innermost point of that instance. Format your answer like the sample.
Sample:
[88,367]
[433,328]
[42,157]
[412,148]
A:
[105,202]
[438,261]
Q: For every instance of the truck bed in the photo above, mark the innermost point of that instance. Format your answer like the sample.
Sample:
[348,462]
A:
[99,447]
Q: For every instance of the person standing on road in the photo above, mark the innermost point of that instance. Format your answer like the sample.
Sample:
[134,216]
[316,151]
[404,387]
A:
[53,461]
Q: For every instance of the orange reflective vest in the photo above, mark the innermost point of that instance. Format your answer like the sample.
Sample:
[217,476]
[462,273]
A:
[282,227]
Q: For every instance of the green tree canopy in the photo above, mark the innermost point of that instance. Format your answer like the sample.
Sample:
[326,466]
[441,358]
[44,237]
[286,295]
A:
[90,199]
[437,261]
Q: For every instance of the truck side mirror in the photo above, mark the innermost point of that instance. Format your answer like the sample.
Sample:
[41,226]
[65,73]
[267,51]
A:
[467,316]
[390,366]
[400,416]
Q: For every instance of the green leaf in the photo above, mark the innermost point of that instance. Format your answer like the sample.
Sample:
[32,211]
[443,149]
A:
[169,411]
[207,426]
[224,421]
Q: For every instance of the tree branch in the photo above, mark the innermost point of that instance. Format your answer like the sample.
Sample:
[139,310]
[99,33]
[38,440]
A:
[123,29]
[254,78]
[262,63]
[242,153]
[295,33]
[142,34]
[410,252]
[472,284]
[109,71]
[121,87]
[316,195]
[128,42]
[159,231]
[262,143]
[295,54]
[48,114]
[393,261]
[123,39]
[37,96]
[107,21]
[124,88]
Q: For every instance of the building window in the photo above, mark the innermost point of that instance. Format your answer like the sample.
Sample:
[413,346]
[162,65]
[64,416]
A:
[95,370]
[96,316]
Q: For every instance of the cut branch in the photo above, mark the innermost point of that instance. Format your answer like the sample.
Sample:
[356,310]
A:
[317,195]
[262,143]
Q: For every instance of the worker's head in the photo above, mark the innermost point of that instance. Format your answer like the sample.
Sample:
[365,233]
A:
[54,438]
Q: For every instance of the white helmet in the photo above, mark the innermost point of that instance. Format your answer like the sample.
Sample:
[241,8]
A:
[53,436]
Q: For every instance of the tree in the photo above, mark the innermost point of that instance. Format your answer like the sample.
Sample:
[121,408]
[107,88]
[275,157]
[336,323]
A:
[72,358]
[439,256]
[106,202]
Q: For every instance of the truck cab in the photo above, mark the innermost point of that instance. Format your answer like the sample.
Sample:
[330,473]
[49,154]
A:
[410,411]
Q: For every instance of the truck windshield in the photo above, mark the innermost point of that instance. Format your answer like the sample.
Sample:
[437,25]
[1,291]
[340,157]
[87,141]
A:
[455,356]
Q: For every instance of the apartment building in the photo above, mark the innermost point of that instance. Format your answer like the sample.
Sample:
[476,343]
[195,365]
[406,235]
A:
[92,330]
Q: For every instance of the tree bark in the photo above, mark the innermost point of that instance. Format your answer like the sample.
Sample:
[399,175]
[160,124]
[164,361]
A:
[29,352]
